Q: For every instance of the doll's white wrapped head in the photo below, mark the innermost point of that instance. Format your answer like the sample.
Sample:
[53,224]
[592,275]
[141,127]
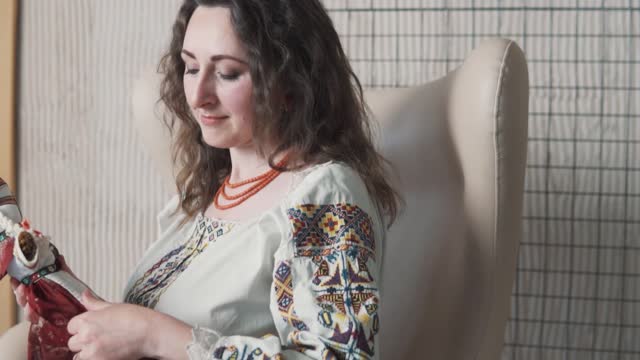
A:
[25,250]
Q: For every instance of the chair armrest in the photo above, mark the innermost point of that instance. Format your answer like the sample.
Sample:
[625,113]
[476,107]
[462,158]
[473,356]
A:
[13,343]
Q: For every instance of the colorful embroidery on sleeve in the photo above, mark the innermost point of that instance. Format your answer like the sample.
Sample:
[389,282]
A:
[283,284]
[339,241]
[232,352]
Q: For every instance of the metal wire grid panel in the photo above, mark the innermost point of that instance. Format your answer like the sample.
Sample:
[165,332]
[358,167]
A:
[577,292]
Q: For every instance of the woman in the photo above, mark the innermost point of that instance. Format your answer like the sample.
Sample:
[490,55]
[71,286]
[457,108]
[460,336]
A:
[273,247]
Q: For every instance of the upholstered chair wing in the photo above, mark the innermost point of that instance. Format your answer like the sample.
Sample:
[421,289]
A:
[458,145]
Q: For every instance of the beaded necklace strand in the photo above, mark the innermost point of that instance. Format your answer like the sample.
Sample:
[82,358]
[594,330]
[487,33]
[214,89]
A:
[256,184]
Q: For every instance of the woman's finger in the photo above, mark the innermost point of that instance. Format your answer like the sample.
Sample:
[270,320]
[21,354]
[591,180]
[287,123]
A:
[80,356]
[76,322]
[92,302]
[74,344]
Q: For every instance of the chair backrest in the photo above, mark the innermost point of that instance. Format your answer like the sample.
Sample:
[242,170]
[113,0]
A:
[459,148]
[458,145]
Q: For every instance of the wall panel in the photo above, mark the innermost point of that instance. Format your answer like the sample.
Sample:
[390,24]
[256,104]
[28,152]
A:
[8,39]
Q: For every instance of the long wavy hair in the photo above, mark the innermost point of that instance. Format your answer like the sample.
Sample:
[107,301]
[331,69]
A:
[296,63]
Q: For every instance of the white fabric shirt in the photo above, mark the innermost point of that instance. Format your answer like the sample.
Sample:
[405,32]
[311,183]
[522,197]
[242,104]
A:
[300,281]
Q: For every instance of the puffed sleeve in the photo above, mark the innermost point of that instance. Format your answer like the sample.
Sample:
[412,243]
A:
[324,295]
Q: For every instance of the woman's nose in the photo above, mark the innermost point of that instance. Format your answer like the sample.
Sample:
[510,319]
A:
[204,92]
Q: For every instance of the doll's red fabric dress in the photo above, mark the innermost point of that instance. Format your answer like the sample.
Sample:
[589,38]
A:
[52,291]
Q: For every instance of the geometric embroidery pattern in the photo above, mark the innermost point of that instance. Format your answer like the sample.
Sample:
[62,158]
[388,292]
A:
[339,241]
[231,352]
[147,290]
[283,286]
[324,229]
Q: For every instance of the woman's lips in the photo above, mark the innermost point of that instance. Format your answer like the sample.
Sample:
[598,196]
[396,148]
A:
[211,119]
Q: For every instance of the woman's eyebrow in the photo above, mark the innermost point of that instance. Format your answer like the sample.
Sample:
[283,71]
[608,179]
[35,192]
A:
[215,57]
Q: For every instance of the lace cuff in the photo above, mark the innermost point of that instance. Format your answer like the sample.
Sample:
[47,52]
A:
[203,343]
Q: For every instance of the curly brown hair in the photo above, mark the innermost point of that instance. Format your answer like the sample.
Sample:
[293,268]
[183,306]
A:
[295,55]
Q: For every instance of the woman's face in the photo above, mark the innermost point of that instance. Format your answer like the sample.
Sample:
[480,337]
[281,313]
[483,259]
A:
[217,81]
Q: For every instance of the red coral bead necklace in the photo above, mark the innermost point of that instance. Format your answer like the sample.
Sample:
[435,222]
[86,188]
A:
[253,185]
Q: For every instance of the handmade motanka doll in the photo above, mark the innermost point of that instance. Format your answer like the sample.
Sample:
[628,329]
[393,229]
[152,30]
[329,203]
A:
[52,292]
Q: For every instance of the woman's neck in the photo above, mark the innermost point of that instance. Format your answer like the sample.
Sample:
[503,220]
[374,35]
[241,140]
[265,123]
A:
[246,163]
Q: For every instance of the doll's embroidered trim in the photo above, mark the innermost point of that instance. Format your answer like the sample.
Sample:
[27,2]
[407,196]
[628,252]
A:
[147,290]
[339,241]
[42,273]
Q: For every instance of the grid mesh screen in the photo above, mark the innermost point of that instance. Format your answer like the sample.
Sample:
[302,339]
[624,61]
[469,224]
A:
[577,291]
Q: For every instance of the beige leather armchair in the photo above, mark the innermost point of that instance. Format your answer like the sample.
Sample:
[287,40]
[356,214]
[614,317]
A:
[458,145]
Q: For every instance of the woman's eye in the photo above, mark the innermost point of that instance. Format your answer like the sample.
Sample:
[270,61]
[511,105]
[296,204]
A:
[229,76]
[191,71]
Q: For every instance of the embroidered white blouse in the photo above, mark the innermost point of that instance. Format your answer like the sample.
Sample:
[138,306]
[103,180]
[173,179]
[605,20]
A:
[300,281]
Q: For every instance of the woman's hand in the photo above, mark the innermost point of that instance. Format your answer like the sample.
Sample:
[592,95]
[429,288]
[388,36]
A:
[124,331]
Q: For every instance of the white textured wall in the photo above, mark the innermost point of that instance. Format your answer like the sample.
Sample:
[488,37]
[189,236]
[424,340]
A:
[83,176]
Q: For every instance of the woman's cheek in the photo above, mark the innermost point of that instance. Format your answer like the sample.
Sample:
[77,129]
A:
[239,98]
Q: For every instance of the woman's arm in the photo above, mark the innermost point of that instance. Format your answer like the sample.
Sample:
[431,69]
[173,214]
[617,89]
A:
[168,338]
[125,331]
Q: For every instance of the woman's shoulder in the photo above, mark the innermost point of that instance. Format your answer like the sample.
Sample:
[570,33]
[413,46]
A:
[330,197]
[330,183]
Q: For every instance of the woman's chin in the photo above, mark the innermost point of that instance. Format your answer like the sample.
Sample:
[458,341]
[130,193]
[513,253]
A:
[216,142]
[220,142]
